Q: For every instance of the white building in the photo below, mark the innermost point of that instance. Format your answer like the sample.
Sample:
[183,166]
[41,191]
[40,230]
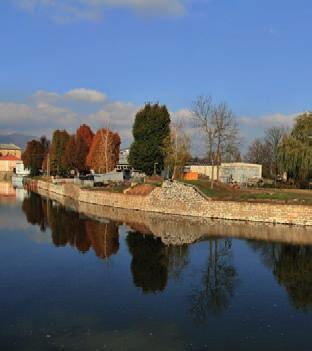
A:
[123,163]
[20,169]
[238,172]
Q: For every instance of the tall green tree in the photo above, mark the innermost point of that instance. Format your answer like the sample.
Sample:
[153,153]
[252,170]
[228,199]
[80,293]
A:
[59,141]
[295,151]
[150,131]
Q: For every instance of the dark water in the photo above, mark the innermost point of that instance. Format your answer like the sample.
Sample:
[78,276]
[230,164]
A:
[71,283]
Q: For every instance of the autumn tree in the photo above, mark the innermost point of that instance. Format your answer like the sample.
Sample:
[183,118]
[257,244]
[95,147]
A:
[150,130]
[85,133]
[33,156]
[46,146]
[69,158]
[177,150]
[104,151]
[84,138]
[58,146]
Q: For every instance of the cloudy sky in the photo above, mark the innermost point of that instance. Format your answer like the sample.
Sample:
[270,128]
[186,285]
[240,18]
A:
[67,62]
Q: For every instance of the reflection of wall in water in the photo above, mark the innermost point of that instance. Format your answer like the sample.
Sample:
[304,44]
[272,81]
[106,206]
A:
[7,189]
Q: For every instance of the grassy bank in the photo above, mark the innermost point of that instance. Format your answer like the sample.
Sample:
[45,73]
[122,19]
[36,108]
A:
[226,192]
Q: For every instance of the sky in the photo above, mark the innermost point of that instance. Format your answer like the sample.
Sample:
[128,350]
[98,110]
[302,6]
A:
[67,62]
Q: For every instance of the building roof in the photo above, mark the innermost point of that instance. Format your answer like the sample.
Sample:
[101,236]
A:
[9,158]
[9,147]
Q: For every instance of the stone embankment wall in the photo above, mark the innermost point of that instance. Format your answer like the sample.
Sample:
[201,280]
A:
[179,199]
[179,230]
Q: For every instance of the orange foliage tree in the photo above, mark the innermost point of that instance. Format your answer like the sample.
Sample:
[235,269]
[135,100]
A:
[77,149]
[104,151]
[85,133]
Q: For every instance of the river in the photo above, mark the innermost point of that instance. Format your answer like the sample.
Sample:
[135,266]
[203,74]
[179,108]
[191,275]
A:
[70,282]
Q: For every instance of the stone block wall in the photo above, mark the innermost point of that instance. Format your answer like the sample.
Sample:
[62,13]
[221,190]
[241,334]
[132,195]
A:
[178,199]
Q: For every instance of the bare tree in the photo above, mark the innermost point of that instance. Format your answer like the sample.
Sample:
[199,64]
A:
[259,152]
[226,131]
[177,149]
[107,142]
[203,113]
[273,138]
[218,124]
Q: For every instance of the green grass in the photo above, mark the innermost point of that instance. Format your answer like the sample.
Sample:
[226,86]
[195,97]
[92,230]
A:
[224,192]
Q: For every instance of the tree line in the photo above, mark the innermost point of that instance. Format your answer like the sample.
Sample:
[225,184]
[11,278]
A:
[161,144]
[79,152]
[285,150]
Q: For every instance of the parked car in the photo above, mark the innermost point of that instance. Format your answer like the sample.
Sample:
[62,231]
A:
[86,177]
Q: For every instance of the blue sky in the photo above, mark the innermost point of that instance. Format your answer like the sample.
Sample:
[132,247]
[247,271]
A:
[256,55]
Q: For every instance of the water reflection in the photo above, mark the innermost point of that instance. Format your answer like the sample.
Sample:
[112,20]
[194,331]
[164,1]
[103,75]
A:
[68,228]
[149,265]
[291,265]
[218,282]
[153,263]
[215,294]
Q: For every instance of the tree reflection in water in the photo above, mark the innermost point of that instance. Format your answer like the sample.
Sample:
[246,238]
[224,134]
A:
[68,228]
[149,264]
[218,282]
[35,209]
[153,262]
[292,267]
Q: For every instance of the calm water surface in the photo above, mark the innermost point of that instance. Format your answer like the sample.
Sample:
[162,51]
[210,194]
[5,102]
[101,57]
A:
[68,282]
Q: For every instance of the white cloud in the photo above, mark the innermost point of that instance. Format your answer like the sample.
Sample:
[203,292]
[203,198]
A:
[118,116]
[34,119]
[69,10]
[47,96]
[268,121]
[82,94]
[46,111]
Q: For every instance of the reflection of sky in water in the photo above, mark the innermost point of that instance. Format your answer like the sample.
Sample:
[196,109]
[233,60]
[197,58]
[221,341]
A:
[216,294]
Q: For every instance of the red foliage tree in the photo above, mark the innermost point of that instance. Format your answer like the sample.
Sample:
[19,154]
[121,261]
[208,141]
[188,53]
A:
[33,156]
[84,138]
[69,158]
[104,151]
[85,133]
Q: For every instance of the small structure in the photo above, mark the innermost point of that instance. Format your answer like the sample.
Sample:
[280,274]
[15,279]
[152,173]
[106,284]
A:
[105,178]
[190,176]
[20,169]
[123,163]
[10,150]
[238,172]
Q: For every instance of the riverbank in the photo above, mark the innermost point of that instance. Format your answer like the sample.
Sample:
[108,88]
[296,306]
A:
[180,230]
[182,200]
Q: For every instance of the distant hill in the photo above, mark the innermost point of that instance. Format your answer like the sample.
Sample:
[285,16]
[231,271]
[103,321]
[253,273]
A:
[16,138]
